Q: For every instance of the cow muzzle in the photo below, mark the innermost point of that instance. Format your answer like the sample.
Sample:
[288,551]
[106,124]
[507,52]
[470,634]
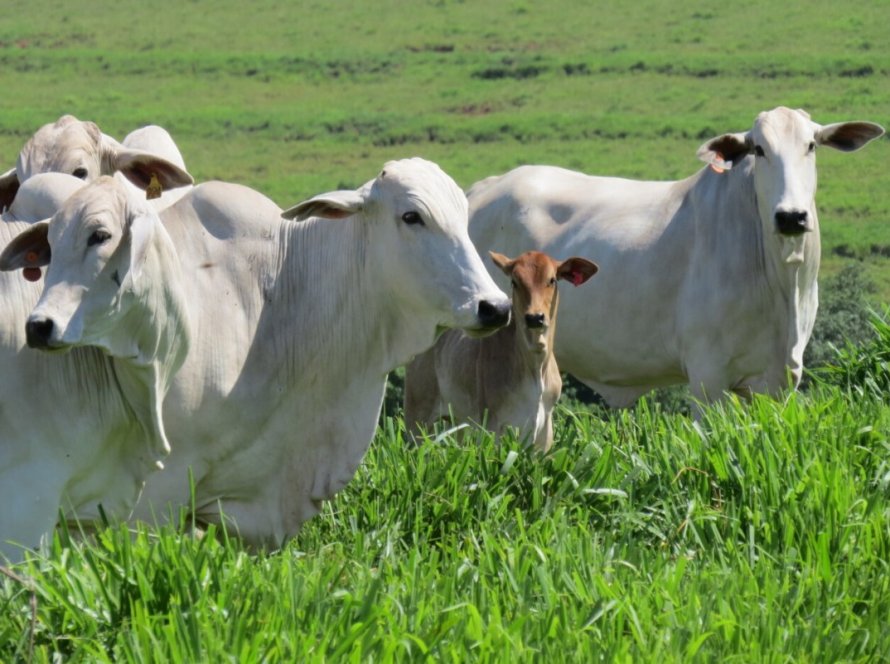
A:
[493,315]
[792,222]
[39,331]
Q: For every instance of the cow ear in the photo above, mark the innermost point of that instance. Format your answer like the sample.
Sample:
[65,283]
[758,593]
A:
[576,270]
[9,186]
[848,136]
[139,167]
[724,151]
[142,229]
[505,264]
[333,205]
[29,248]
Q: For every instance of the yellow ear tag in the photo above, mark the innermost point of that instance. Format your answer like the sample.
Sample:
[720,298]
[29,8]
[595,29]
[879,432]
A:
[154,189]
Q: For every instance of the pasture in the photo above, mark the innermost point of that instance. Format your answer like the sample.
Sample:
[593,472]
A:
[760,534]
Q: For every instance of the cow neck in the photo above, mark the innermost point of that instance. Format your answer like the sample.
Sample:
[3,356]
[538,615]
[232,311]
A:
[786,292]
[332,323]
[156,333]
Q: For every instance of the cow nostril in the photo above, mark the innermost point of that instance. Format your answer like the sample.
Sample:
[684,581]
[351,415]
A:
[493,315]
[534,321]
[791,222]
[38,332]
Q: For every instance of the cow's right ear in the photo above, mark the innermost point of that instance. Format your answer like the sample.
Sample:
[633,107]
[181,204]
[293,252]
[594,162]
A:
[505,264]
[28,249]
[333,205]
[9,186]
[724,151]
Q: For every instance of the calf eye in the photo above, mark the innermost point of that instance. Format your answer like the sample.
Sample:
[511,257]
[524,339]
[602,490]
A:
[412,218]
[98,237]
[758,151]
[552,281]
[80,173]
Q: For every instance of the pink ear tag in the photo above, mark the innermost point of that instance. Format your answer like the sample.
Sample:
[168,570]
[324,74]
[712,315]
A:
[32,273]
[715,167]
[577,278]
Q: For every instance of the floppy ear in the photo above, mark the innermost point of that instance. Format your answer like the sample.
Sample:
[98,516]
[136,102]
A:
[576,270]
[28,249]
[139,167]
[848,136]
[333,205]
[9,185]
[724,151]
[505,264]
[142,230]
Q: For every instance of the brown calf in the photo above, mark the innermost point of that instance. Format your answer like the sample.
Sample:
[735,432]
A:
[509,377]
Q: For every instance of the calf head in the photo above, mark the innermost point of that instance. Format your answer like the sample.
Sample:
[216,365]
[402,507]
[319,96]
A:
[415,222]
[80,149]
[534,276]
[783,143]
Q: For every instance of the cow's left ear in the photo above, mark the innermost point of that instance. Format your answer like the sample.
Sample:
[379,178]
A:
[139,167]
[333,205]
[142,228]
[9,186]
[29,249]
[724,151]
[848,136]
[576,270]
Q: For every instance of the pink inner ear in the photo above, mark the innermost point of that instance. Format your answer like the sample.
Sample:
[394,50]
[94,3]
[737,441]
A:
[577,277]
[715,167]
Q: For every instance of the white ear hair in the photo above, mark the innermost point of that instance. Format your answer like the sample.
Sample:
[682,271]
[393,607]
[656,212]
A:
[333,205]
[142,229]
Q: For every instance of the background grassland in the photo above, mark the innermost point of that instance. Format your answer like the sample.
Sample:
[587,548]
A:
[298,98]
[762,534]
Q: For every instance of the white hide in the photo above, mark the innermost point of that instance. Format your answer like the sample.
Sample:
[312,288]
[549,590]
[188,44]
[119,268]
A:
[74,430]
[80,149]
[696,284]
[294,327]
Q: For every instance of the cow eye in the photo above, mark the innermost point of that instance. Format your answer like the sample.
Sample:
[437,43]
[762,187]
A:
[412,217]
[98,237]
[811,147]
[80,173]
[758,151]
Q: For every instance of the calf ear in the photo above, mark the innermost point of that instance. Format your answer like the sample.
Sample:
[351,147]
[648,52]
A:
[724,151]
[29,248]
[505,264]
[9,185]
[333,205]
[848,136]
[140,167]
[576,270]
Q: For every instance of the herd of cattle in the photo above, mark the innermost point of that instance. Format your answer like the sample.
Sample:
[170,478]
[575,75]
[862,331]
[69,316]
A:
[198,346]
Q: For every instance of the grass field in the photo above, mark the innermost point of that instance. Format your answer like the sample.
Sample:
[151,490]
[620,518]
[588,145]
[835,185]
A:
[761,535]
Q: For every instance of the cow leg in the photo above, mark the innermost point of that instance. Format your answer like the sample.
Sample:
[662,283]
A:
[707,386]
[421,395]
[30,496]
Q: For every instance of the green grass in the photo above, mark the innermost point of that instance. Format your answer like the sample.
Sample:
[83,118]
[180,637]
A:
[762,534]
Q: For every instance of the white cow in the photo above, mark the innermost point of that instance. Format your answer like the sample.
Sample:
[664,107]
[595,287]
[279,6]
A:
[294,329]
[80,149]
[710,280]
[83,429]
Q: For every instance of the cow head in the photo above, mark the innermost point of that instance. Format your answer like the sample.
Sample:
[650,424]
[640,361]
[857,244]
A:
[96,247]
[783,143]
[415,219]
[533,276]
[80,149]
